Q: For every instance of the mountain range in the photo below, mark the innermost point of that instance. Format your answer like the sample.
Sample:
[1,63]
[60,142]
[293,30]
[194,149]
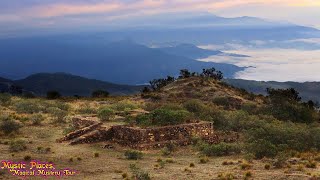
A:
[307,90]
[205,28]
[70,85]
[67,84]
[121,62]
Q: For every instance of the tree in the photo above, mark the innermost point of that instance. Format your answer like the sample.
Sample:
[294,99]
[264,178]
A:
[157,84]
[283,94]
[184,73]
[53,95]
[145,90]
[100,94]
[212,73]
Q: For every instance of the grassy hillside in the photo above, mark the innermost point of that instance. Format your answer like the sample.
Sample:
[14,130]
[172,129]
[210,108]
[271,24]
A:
[277,136]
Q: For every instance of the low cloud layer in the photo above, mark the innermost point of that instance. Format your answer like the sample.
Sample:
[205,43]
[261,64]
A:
[275,64]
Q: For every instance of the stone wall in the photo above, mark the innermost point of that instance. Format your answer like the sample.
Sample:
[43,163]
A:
[137,137]
[90,131]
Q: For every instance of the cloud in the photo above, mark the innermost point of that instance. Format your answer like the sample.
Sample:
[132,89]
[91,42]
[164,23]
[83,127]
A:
[50,8]
[94,12]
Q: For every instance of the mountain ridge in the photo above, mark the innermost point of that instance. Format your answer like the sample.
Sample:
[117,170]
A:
[121,62]
[70,85]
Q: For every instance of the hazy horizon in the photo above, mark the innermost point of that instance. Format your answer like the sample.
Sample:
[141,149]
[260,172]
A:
[32,17]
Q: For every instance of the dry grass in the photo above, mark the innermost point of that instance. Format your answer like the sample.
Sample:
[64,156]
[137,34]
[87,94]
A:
[94,162]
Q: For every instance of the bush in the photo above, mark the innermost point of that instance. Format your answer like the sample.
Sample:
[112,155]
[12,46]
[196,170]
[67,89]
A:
[221,149]
[277,136]
[96,155]
[262,148]
[53,95]
[285,104]
[8,125]
[100,94]
[28,106]
[37,119]
[138,173]
[204,160]
[166,151]
[18,145]
[58,115]
[162,117]
[86,109]
[5,99]
[124,105]
[133,155]
[27,158]
[106,114]
[202,111]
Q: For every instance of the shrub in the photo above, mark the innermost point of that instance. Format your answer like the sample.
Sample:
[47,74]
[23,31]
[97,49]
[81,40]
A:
[169,160]
[28,95]
[5,99]
[245,166]
[311,164]
[106,114]
[285,104]
[194,106]
[262,148]
[138,173]
[165,151]
[268,139]
[37,119]
[18,145]
[133,155]
[53,95]
[281,160]
[163,116]
[204,160]
[124,175]
[248,174]
[28,106]
[27,158]
[124,105]
[58,115]
[86,109]
[220,149]
[226,176]
[267,166]
[100,94]
[191,165]
[61,105]
[96,155]
[8,125]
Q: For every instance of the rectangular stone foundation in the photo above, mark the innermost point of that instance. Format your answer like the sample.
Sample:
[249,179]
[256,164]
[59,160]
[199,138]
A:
[160,136]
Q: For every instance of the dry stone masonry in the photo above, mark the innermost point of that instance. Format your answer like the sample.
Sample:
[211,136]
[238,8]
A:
[90,131]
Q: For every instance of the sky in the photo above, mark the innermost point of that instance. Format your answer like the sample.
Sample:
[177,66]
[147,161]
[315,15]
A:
[18,16]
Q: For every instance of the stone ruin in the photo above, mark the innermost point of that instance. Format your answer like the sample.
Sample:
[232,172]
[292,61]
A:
[90,131]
